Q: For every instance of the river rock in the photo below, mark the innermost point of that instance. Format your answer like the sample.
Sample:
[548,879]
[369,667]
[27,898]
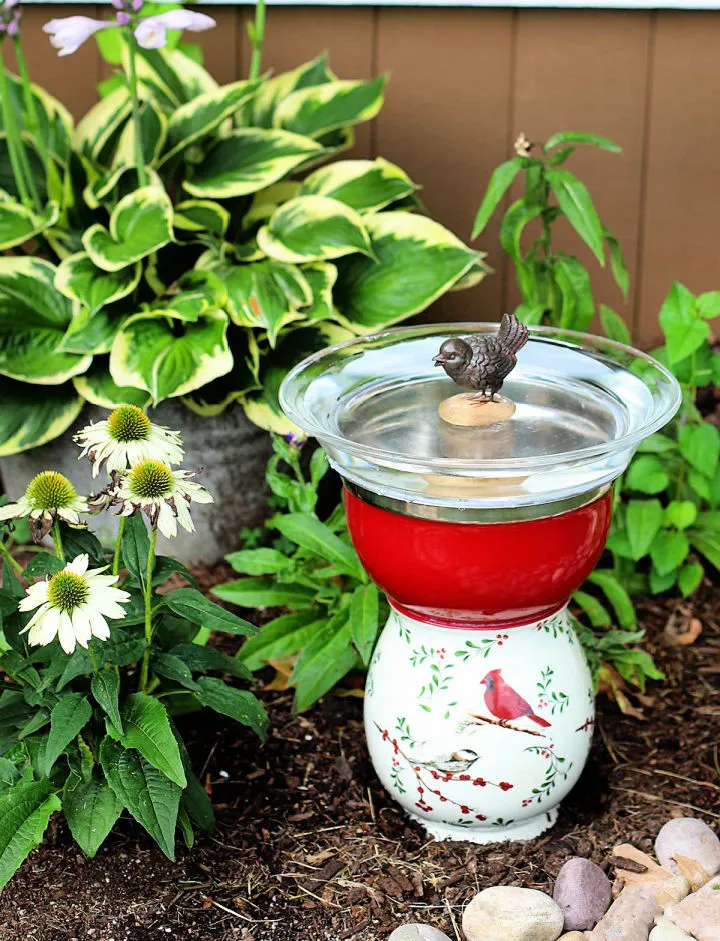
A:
[672,890]
[583,892]
[572,936]
[630,917]
[699,913]
[665,930]
[689,837]
[512,914]
[418,932]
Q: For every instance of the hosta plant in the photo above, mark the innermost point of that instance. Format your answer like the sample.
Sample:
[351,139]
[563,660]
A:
[190,240]
[99,655]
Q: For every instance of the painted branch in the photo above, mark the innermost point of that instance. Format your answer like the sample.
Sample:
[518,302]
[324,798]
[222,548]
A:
[476,720]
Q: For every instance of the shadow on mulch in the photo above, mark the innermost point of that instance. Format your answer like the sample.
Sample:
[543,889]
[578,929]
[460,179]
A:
[310,848]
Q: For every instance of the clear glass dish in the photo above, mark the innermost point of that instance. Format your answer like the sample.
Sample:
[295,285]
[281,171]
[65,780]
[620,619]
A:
[584,403]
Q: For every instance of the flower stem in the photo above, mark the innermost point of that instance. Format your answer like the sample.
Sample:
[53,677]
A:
[57,540]
[30,105]
[133,85]
[93,659]
[8,555]
[147,591]
[257,39]
[118,546]
[14,144]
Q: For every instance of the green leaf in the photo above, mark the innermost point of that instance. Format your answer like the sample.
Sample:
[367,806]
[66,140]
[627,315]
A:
[516,218]
[617,596]
[262,593]
[98,388]
[147,729]
[708,544]
[573,280]
[151,798]
[102,122]
[647,474]
[274,90]
[576,203]
[18,224]
[689,578]
[595,611]
[614,326]
[238,704]
[199,658]
[324,662]
[700,484]
[662,581]
[171,357]
[617,263]
[281,637]
[135,547]
[140,224]
[79,279]
[419,261]
[91,809]
[680,513]
[197,803]
[266,294]
[306,530]
[643,520]
[201,215]
[684,331]
[153,131]
[42,564]
[68,718]
[708,305]
[171,667]
[500,182]
[669,550]
[364,611]
[700,446]
[259,561]
[364,185]
[189,603]
[563,138]
[248,160]
[24,814]
[105,687]
[313,228]
[658,444]
[318,109]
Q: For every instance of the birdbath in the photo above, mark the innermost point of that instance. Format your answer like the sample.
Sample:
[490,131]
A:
[479,705]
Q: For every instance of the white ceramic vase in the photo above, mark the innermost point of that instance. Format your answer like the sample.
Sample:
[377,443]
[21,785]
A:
[479,734]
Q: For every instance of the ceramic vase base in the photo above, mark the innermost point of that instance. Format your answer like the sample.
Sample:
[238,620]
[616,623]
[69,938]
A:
[526,830]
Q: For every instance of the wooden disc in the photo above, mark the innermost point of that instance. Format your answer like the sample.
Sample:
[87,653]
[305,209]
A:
[468,411]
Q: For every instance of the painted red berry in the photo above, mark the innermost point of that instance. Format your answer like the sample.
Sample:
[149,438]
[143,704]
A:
[480,817]
[479,782]
[464,809]
[505,786]
[464,777]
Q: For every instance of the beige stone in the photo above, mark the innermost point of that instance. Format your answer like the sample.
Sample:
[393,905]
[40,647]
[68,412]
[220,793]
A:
[665,930]
[468,411]
[672,890]
[699,913]
[572,936]
[687,839]
[630,917]
[512,914]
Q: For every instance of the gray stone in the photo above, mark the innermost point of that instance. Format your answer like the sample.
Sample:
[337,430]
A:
[583,892]
[699,913]
[418,932]
[232,452]
[630,917]
[689,837]
[512,914]
[665,930]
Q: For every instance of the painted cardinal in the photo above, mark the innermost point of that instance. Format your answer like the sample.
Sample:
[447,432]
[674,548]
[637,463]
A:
[504,703]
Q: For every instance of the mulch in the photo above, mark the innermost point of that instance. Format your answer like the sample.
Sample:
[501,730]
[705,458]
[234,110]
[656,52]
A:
[309,847]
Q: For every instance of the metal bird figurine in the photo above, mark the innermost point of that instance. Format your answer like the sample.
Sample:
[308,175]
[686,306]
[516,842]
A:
[481,363]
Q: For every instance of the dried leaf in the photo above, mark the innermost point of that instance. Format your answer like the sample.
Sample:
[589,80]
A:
[682,630]
[635,868]
[693,872]
[283,667]
[614,686]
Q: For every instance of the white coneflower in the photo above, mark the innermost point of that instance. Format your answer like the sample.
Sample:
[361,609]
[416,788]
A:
[164,495]
[73,605]
[48,496]
[125,437]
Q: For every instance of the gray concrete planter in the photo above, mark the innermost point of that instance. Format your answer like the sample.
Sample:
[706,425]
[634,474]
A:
[231,450]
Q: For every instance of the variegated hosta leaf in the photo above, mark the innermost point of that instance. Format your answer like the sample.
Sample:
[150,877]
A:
[97,387]
[275,90]
[92,333]
[33,320]
[364,185]
[170,357]
[249,160]
[322,108]
[30,416]
[201,215]
[19,224]
[321,277]
[266,295]
[153,131]
[54,121]
[314,228]
[419,260]
[266,201]
[78,278]
[198,117]
[102,123]
[216,396]
[196,293]
[37,168]
[170,77]
[140,224]
[103,184]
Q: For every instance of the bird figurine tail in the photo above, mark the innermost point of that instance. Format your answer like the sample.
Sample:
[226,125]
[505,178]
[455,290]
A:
[513,335]
[543,723]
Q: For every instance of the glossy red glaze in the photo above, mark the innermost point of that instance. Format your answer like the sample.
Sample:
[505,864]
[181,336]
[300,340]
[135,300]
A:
[478,574]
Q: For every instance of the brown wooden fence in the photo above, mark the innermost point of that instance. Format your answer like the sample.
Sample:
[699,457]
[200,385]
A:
[466,81]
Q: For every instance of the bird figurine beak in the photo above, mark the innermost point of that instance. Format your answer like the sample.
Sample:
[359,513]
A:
[439,360]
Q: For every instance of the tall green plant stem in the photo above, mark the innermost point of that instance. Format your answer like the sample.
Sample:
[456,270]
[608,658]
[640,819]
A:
[257,39]
[30,105]
[133,85]
[8,555]
[18,160]
[147,592]
[57,540]
[118,546]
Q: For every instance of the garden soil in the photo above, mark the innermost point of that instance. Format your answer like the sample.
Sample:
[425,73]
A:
[308,846]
